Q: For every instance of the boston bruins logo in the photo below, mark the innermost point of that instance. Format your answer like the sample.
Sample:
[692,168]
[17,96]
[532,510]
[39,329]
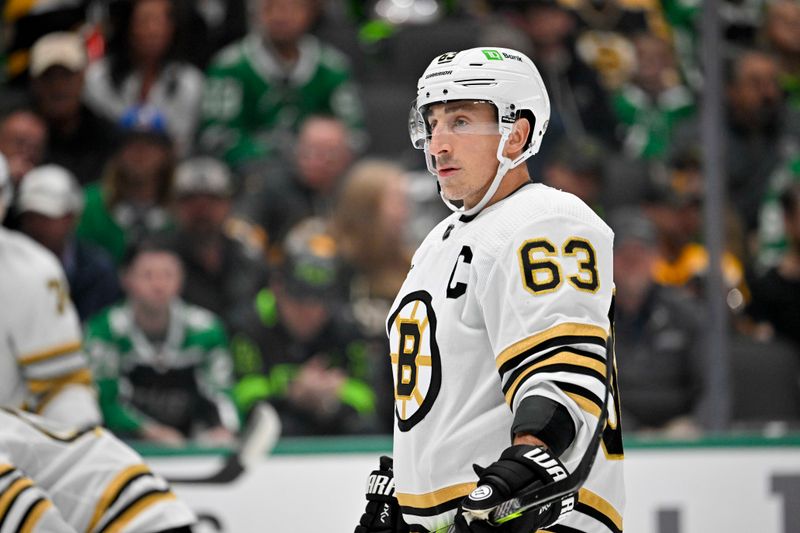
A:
[416,365]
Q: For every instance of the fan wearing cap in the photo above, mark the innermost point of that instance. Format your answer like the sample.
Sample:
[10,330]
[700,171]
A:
[659,334]
[49,203]
[223,273]
[42,364]
[79,139]
[499,336]
[299,350]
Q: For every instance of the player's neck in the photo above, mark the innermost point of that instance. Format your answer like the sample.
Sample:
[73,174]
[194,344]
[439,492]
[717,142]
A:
[513,180]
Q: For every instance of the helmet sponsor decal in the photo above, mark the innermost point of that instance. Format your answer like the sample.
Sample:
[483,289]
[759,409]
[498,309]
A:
[492,55]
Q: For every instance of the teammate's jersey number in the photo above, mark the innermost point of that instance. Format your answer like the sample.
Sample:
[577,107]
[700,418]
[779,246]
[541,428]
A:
[541,270]
[61,293]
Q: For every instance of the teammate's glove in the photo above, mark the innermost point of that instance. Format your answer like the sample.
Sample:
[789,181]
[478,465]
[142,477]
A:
[383,512]
[520,467]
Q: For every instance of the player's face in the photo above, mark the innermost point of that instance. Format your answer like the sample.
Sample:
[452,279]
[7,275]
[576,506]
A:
[463,141]
[154,279]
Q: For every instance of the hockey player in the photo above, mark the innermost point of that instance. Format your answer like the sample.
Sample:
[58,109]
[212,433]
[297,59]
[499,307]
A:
[54,479]
[42,365]
[498,336]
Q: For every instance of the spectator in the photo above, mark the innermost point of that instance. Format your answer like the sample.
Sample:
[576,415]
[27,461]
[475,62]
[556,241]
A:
[371,228]
[261,88]
[162,366]
[578,167]
[654,101]
[772,242]
[658,336]
[299,351]
[79,140]
[781,30]
[776,294]
[23,139]
[49,204]
[213,25]
[369,225]
[275,202]
[133,199]
[143,73]
[223,274]
[673,201]
[761,130]
[580,104]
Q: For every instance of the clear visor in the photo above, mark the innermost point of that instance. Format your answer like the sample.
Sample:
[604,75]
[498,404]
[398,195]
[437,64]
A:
[458,117]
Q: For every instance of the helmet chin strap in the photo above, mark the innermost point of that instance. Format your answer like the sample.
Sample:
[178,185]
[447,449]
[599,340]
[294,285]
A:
[504,165]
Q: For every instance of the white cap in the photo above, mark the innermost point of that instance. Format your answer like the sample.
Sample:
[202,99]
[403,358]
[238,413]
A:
[202,175]
[50,190]
[61,48]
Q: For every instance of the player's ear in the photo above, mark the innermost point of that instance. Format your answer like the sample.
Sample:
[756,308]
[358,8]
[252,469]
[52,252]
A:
[518,139]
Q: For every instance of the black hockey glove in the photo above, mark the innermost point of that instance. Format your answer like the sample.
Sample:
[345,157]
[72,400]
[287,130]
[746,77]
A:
[520,467]
[383,512]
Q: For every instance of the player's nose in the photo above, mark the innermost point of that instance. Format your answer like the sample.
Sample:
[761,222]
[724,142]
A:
[439,143]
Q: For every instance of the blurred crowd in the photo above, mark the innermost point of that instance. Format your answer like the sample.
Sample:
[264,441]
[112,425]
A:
[231,192]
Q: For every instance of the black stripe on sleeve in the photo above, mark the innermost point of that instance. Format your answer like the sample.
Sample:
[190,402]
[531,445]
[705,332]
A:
[563,340]
[580,391]
[550,368]
[124,487]
[13,501]
[30,510]
[130,504]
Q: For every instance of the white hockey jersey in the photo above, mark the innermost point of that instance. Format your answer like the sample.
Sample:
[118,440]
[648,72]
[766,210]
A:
[55,479]
[512,303]
[42,365]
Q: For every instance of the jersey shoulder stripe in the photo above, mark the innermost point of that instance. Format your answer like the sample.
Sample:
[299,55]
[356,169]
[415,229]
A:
[50,353]
[113,491]
[128,513]
[12,493]
[561,334]
[559,360]
[34,514]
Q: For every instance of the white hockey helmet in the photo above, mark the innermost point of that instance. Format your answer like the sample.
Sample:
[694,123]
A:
[505,78]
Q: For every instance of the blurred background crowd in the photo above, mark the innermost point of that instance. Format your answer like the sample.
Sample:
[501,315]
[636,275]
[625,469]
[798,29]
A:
[232,194]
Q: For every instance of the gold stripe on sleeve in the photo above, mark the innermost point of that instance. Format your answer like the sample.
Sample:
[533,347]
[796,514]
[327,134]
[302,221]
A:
[561,330]
[559,358]
[81,377]
[432,499]
[597,503]
[5,468]
[38,357]
[39,509]
[119,524]
[12,492]
[584,403]
[112,491]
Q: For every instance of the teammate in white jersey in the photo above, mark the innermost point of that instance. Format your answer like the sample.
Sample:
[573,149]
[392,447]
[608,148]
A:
[42,365]
[54,479]
[499,334]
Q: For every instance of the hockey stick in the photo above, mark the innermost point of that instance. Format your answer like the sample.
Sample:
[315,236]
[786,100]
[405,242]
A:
[544,495]
[260,436]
